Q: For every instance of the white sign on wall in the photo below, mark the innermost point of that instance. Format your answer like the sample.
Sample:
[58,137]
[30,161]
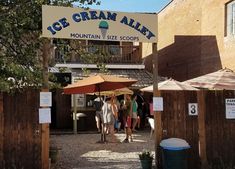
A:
[193,109]
[157,104]
[230,108]
[44,115]
[45,99]
[80,100]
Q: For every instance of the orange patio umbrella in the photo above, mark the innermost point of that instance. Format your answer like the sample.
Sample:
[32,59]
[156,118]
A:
[98,83]
[115,92]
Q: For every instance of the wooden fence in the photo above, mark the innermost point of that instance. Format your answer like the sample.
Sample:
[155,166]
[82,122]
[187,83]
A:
[220,135]
[20,133]
[219,131]
[177,123]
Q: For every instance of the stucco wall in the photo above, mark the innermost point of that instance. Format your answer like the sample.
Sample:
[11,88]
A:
[214,21]
[192,39]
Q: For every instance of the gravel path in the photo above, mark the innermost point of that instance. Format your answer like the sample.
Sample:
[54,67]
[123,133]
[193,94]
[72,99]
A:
[82,151]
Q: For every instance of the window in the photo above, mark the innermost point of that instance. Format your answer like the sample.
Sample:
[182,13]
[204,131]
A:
[231,18]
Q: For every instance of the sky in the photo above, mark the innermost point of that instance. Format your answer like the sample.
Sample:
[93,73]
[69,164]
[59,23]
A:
[151,6]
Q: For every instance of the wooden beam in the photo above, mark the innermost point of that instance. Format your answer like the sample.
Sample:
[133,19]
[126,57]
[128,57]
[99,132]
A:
[45,146]
[45,140]
[202,128]
[46,52]
[157,115]
[158,135]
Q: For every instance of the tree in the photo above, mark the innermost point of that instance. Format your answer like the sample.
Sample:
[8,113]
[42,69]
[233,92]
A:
[20,43]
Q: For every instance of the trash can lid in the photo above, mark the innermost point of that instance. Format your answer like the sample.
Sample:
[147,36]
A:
[174,144]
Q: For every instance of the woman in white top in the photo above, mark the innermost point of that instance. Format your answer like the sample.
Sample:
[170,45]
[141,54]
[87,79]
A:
[108,117]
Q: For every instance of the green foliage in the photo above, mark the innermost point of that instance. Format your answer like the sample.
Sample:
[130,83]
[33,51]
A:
[146,155]
[20,42]
[95,55]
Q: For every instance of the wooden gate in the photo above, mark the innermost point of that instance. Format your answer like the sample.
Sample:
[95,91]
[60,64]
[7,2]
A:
[217,133]
[20,133]
[177,123]
[220,135]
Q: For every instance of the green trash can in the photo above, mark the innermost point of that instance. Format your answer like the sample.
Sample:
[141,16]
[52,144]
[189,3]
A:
[174,153]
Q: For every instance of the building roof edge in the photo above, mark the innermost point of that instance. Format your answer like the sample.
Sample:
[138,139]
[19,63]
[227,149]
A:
[165,6]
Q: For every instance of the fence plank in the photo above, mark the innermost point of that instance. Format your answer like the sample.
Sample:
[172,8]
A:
[202,128]
[21,145]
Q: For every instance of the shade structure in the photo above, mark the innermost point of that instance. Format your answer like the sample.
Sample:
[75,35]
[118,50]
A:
[169,84]
[219,80]
[115,92]
[98,83]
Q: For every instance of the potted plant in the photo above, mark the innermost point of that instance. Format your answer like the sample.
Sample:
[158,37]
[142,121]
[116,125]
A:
[54,153]
[146,159]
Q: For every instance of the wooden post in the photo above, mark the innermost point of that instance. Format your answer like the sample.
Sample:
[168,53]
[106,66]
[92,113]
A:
[45,127]
[1,130]
[157,115]
[202,128]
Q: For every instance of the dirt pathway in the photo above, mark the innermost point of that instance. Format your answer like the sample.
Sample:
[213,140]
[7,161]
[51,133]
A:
[82,152]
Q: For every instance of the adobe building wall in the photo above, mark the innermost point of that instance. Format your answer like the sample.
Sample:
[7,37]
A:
[214,23]
[146,50]
[191,39]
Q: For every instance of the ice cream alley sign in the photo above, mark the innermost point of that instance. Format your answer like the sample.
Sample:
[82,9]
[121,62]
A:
[78,23]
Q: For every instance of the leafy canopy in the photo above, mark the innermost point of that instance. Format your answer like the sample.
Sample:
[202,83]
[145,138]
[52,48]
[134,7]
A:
[20,42]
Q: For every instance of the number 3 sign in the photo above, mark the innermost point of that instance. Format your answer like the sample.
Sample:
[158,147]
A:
[192,109]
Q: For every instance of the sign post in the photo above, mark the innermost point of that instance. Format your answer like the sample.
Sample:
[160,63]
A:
[157,114]
[45,88]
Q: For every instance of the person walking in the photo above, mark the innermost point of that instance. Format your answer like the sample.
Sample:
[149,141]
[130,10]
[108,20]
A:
[134,112]
[108,116]
[98,103]
[141,109]
[127,114]
[115,110]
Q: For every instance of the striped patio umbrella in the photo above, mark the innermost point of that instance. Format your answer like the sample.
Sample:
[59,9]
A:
[169,84]
[219,80]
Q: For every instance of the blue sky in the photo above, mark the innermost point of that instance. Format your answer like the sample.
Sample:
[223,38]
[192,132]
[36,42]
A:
[132,5]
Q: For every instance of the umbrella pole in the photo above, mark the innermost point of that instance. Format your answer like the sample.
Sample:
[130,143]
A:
[74,114]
